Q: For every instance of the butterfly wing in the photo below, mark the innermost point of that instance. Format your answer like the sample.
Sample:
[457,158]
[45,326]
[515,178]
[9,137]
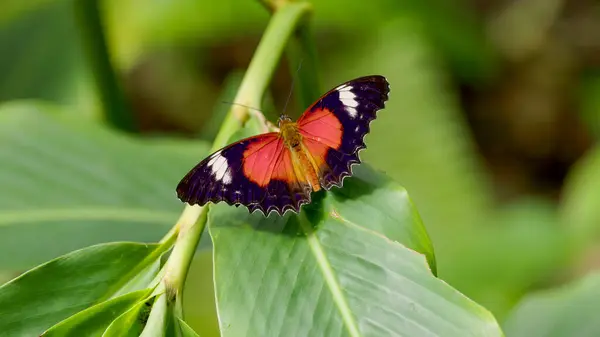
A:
[256,172]
[334,127]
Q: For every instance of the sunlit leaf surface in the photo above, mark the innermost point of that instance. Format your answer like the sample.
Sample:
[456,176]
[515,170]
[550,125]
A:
[93,321]
[340,268]
[50,293]
[67,183]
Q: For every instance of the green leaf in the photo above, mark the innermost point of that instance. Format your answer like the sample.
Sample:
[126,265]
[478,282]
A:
[331,267]
[48,294]
[45,59]
[160,320]
[186,330]
[94,320]
[142,280]
[570,311]
[523,239]
[130,323]
[378,203]
[581,196]
[69,183]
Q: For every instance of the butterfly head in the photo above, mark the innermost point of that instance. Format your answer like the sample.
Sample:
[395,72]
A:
[284,119]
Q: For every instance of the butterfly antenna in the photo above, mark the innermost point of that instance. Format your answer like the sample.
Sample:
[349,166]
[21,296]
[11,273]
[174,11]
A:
[261,116]
[292,87]
[245,106]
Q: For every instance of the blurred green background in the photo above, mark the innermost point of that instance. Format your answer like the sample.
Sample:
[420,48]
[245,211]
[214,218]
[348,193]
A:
[492,127]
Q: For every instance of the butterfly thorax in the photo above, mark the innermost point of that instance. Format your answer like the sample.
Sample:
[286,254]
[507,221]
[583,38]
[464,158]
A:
[289,132]
[304,165]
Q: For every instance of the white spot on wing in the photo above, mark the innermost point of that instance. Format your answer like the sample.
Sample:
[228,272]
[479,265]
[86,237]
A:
[227,178]
[348,98]
[213,158]
[219,168]
[217,163]
[220,173]
[351,111]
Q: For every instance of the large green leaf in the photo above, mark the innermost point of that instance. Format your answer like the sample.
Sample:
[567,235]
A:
[331,272]
[68,183]
[48,294]
[93,321]
[422,140]
[45,58]
[378,203]
[569,311]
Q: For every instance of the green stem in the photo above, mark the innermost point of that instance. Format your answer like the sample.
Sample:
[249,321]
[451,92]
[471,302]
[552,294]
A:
[261,68]
[191,226]
[251,91]
[115,108]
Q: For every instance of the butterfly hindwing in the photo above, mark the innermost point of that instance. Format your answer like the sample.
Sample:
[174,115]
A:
[256,172]
[334,127]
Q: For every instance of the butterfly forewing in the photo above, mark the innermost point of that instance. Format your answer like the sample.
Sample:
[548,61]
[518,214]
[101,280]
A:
[334,127]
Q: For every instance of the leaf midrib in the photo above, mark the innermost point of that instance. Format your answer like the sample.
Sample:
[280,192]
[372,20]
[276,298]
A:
[8,218]
[329,275]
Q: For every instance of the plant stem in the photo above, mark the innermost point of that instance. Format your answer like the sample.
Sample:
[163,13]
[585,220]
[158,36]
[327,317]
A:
[115,108]
[251,91]
[191,226]
[261,68]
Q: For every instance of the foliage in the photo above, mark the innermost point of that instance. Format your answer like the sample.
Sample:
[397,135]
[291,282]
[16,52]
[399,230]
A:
[550,313]
[70,180]
[64,176]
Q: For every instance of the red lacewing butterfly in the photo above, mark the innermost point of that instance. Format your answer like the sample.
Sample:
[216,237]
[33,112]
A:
[278,171]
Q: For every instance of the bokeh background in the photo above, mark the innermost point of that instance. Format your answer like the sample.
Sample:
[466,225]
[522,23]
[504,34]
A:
[492,124]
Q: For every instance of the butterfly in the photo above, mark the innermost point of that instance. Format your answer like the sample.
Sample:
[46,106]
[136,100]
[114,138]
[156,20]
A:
[278,171]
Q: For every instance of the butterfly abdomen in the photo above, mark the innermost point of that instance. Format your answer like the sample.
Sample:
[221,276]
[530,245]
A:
[307,167]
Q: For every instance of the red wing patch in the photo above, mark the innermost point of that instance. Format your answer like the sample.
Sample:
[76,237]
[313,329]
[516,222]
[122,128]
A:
[322,126]
[260,159]
[284,170]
